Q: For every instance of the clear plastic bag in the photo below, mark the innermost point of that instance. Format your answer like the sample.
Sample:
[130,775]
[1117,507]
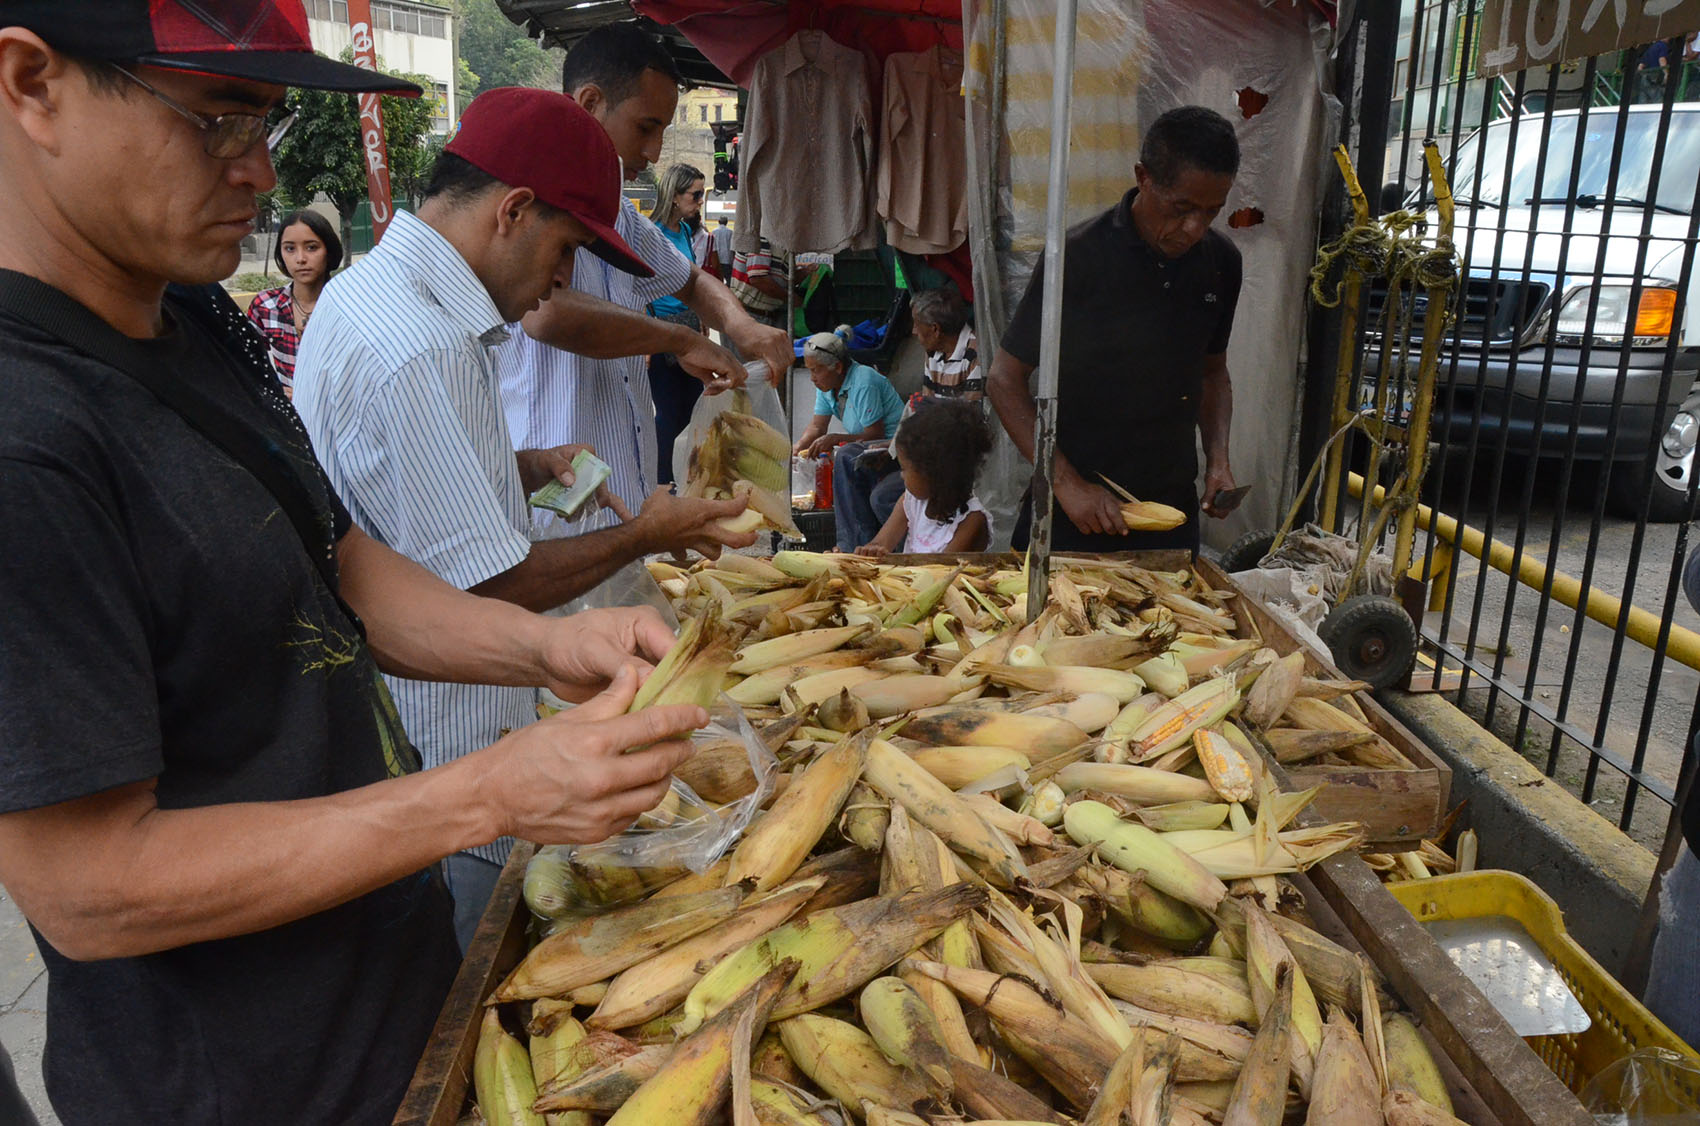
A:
[1648,1087]
[688,834]
[756,397]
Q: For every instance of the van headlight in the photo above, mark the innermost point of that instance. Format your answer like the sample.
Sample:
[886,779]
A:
[1648,324]
[1680,435]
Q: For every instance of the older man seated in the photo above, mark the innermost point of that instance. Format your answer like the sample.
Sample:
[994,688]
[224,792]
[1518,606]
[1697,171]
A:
[868,406]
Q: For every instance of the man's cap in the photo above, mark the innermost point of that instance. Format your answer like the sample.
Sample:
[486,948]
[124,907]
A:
[545,141]
[261,40]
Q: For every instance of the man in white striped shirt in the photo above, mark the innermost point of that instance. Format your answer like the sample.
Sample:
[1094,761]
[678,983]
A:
[398,390]
[557,386]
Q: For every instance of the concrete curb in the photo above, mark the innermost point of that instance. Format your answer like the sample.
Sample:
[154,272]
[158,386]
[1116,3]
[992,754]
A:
[1530,824]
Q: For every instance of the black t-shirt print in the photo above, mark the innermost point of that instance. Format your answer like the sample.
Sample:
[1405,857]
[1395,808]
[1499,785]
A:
[164,621]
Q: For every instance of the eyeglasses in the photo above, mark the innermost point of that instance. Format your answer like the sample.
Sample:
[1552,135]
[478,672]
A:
[227,136]
[696,195]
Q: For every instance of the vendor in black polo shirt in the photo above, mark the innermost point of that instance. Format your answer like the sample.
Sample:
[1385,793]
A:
[1148,304]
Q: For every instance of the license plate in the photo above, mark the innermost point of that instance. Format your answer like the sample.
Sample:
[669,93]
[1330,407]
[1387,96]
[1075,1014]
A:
[1399,401]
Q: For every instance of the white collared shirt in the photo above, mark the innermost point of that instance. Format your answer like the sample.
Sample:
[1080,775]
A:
[397,387]
[553,397]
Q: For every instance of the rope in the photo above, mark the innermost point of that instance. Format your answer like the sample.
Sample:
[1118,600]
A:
[1394,247]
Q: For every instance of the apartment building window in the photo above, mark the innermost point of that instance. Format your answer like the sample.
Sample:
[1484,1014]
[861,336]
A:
[717,108]
[336,10]
[409,21]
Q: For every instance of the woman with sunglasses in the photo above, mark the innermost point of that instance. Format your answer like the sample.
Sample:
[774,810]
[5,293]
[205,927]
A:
[307,250]
[678,212]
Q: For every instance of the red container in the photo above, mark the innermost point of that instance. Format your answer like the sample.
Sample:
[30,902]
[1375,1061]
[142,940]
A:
[823,483]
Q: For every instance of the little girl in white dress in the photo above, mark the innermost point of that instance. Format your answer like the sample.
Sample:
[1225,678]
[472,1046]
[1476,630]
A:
[940,450]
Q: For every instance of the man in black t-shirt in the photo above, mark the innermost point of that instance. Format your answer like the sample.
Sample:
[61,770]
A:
[1147,307]
[209,813]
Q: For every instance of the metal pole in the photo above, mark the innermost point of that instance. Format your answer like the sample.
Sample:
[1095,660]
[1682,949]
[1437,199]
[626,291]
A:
[1050,322]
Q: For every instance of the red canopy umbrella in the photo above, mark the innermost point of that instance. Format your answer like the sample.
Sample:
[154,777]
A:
[733,34]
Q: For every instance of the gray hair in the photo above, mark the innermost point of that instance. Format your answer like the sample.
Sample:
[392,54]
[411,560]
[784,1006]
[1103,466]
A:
[833,347]
[942,307]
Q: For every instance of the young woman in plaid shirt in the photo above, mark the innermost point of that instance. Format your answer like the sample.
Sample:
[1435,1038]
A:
[307,250]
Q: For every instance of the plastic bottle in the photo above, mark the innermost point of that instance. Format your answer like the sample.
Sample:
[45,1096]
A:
[823,482]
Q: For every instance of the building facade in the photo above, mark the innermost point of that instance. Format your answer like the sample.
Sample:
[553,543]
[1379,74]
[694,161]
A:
[411,37]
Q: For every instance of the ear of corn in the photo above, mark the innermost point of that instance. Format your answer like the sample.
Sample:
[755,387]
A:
[906,1031]
[1227,770]
[778,1105]
[1124,686]
[1070,1054]
[1181,992]
[1260,1092]
[839,950]
[793,648]
[957,767]
[774,846]
[604,1086]
[1172,724]
[599,946]
[1039,736]
[929,801]
[693,671]
[1344,1091]
[844,1061]
[692,1085]
[1134,848]
[501,1073]
[652,987]
[1410,1067]
[1267,957]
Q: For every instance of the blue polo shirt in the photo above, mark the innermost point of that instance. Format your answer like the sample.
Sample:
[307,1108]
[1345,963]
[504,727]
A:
[863,398]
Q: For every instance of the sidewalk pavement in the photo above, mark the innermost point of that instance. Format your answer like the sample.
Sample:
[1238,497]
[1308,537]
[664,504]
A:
[23,1005]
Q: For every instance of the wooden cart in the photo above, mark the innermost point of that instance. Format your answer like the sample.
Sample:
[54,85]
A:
[1497,1079]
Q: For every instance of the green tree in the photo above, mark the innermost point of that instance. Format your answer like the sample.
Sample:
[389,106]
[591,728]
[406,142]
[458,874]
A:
[498,52]
[323,152]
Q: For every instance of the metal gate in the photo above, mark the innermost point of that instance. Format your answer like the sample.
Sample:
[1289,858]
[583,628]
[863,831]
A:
[1564,428]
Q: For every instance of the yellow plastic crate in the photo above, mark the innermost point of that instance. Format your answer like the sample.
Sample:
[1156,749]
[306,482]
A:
[1621,1024]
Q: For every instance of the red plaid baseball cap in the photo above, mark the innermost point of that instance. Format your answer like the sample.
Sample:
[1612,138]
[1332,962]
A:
[262,40]
[545,141]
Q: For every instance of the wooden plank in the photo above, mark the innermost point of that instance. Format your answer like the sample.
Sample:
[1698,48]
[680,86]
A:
[1399,807]
[441,1082]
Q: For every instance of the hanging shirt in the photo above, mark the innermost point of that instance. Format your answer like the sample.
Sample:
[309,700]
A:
[923,167]
[757,264]
[864,398]
[397,388]
[928,536]
[808,151]
[553,397]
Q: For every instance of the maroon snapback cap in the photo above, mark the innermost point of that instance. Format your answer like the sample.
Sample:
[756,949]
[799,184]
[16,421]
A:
[262,40]
[545,141]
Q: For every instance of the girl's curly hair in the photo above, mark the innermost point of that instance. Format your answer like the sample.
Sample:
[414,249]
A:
[946,442]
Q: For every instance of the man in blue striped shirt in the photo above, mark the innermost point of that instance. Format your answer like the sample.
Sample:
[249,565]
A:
[576,375]
[396,384]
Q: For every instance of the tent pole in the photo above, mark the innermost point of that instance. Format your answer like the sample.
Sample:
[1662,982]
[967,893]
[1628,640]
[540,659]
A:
[1050,323]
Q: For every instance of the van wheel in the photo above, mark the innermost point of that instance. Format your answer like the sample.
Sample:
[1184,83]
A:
[1665,504]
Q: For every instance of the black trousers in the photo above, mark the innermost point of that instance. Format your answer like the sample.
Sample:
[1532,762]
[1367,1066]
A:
[675,392]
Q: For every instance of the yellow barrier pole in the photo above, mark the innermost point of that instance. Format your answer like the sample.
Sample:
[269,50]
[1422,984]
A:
[1683,644]
[1346,363]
